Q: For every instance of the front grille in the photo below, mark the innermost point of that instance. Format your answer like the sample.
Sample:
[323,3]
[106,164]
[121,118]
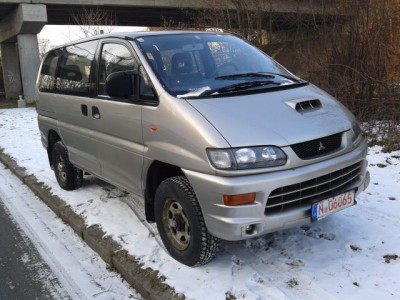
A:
[318,147]
[304,193]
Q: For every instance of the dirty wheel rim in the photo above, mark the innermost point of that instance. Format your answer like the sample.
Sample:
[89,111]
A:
[176,224]
[60,167]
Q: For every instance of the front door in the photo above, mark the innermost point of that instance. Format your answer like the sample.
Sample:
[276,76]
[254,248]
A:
[117,121]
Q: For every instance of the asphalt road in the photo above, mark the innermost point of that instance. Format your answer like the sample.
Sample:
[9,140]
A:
[23,275]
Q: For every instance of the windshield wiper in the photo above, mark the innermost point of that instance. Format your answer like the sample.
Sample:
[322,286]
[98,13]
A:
[207,91]
[233,76]
[297,80]
[238,87]
[260,75]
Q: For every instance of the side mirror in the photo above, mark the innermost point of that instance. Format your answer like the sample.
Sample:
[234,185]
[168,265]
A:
[120,84]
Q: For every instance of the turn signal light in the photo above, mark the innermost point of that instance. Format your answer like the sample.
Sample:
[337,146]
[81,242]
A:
[242,199]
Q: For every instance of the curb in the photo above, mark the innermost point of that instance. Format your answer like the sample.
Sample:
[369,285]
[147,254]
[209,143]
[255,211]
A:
[145,281]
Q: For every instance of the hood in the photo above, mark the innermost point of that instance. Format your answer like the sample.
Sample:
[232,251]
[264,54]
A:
[279,118]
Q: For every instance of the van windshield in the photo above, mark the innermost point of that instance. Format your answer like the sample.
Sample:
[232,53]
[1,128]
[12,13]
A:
[191,65]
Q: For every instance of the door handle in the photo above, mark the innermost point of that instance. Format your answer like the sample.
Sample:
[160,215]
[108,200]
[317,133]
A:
[84,109]
[95,112]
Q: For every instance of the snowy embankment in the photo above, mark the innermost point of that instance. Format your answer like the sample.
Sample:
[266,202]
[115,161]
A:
[354,254]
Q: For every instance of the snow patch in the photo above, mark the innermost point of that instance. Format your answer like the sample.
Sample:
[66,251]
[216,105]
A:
[354,252]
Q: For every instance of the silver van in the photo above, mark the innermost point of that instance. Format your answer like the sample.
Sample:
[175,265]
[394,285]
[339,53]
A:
[217,139]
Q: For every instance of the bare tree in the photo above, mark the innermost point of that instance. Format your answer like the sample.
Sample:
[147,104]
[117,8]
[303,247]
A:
[243,17]
[44,46]
[247,18]
[94,21]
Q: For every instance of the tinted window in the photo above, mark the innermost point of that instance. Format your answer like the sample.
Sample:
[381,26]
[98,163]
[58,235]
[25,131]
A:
[47,79]
[74,74]
[114,58]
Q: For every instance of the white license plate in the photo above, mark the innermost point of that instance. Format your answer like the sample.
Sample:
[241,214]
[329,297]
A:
[323,208]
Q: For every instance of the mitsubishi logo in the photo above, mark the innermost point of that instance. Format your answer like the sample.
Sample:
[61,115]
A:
[321,147]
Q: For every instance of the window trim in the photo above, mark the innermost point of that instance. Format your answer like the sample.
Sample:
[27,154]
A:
[135,99]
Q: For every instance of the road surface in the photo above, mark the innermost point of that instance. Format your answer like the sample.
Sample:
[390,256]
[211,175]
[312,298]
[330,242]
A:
[24,274]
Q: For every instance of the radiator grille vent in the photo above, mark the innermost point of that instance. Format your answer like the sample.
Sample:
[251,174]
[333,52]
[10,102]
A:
[304,193]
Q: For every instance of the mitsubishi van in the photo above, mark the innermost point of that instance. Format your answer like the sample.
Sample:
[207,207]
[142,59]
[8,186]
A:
[215,137]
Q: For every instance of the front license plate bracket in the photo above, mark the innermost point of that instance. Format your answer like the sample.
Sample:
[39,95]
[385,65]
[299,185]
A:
[327,206]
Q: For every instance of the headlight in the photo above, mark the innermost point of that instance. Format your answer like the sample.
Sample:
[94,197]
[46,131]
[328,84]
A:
[221,159]
[355,131]
[247,158]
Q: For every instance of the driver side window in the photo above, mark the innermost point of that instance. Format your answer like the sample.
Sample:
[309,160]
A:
[114,58]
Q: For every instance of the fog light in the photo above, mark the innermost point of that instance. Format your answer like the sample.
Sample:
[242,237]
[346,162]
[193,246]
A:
[242,199]
[249,229]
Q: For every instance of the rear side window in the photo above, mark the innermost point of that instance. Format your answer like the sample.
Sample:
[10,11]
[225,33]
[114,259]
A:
[47,77]
[74,71]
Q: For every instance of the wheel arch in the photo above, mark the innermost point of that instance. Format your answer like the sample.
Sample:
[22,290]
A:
[52,138]
[157,173]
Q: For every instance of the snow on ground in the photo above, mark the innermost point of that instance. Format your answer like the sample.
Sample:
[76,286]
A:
[354,254]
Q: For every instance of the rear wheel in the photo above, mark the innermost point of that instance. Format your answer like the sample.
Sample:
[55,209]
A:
[68,177]
[181,224]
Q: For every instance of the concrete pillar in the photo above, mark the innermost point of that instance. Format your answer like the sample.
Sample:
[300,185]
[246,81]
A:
[21,26]
[28,51]
[11,73]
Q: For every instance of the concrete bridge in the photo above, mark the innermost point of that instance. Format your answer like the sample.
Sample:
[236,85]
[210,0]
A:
[22,20]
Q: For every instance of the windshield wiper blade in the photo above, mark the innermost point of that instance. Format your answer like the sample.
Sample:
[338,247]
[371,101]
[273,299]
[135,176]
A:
[206,91]
[238,87]
[233,76]
[260,75]
[298,80]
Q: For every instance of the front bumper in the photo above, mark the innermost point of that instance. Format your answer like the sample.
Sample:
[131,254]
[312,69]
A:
[241,222]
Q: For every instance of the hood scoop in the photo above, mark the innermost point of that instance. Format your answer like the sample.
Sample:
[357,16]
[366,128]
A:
[304,105]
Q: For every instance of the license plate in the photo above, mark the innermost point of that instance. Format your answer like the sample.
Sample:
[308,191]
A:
[323,208]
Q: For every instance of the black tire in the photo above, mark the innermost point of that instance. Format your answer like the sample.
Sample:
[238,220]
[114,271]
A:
[68,177]
[181,224]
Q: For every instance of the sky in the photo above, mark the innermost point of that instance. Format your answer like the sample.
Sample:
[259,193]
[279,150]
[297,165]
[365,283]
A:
[353,254]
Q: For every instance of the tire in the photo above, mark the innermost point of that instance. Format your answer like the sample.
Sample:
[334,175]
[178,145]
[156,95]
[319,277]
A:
[68,177]
[181,224]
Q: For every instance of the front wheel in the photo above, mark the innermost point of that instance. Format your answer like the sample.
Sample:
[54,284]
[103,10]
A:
[181,224]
